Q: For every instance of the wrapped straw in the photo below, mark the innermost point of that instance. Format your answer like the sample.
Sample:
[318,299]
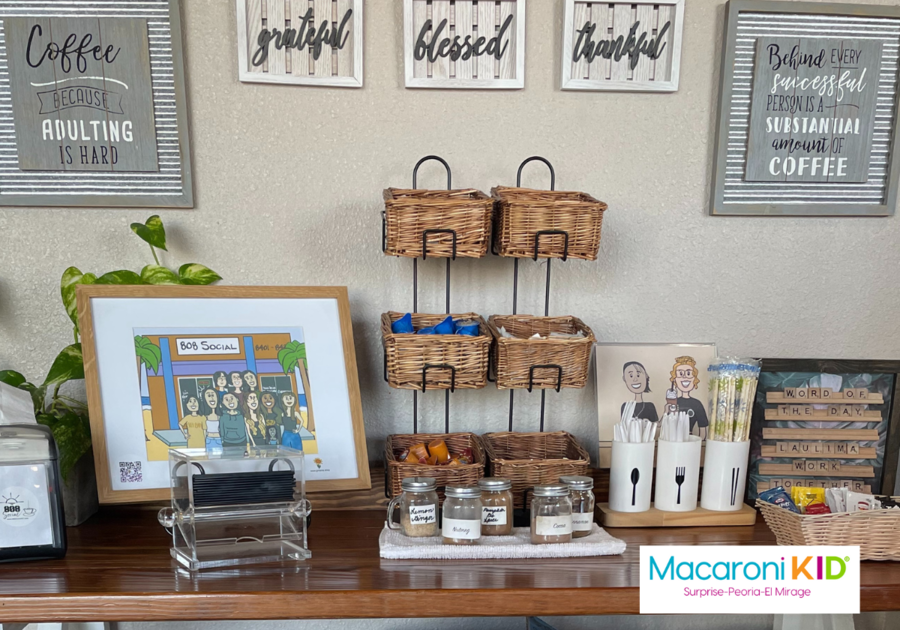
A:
[732,388]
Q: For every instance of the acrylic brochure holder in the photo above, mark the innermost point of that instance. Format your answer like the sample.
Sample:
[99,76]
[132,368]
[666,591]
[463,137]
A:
[233,508]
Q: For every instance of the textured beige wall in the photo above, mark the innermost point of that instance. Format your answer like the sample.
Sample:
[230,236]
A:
[288,188]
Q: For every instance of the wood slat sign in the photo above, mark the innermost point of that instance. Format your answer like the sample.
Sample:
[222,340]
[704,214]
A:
[807,110]
[92,109]
[464,44]
[622,46]
[303,42]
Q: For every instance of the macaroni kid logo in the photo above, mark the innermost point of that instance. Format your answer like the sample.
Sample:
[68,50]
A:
[749,580]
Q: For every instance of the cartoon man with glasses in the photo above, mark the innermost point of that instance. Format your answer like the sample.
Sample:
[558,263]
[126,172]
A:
[685,379]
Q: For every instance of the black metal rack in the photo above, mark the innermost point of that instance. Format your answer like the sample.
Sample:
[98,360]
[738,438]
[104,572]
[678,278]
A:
[425,235]
[565,256]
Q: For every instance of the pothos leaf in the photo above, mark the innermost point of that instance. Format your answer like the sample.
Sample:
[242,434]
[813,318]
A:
[71,278]
[11,377]
[122,276]
[152,232]
[68,366]
[157,274]
[195,273]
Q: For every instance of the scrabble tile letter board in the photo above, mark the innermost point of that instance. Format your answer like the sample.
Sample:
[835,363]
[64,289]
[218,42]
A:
[820,423]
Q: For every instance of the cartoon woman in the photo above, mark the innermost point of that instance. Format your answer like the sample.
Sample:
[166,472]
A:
[256,421]
[232,423]
[685,379]
[291,421]
[221,383]
[271,413]
[250,380]
[637,381]
[209,407]
[192,424]
[237,387]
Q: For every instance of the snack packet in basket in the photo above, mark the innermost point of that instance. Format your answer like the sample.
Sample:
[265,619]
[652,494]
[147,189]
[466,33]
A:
[779,497]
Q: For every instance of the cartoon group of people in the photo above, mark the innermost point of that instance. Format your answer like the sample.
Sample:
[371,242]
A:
[235,413]
[683,379]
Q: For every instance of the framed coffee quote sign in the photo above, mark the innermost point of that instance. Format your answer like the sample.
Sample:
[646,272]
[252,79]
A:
[807,118]
[94,105]
[476,44]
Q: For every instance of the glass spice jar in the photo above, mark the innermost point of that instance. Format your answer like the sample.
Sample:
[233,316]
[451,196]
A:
[418,507]
[551,515]
[581,491]
[496,506]
[461,515]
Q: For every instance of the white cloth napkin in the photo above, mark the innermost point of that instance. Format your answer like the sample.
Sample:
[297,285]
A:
[396,546]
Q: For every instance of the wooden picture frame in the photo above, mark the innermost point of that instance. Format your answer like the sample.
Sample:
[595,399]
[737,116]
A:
[151,167]
[336,66]
[219,330]
[505,72]
[770,440]
[732,193]
[659,74]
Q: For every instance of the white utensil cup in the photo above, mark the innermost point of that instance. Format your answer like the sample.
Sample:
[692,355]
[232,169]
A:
[724,475]
[631,476]
[678,475]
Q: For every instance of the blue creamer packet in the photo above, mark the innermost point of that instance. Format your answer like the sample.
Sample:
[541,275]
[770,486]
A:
[779,496]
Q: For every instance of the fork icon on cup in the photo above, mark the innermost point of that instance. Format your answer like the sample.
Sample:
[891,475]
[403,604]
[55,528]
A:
[679,479]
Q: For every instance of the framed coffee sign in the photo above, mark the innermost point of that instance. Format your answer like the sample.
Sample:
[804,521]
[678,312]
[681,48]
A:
[807,118]
[303,42]
[622,46]
[476,44]
[94,105]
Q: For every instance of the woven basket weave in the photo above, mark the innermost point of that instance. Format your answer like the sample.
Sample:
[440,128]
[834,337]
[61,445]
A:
[515,356]
[520,213]
[464,475]
[407,354]
[533,459]
[877,532]
[412,216]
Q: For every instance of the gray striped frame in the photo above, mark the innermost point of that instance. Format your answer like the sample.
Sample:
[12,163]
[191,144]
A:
[729,193]
[172,186]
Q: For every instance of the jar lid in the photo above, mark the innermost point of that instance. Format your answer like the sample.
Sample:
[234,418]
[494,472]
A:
[495,484]
[577,482]
[553,490]
[463,492]
[418,484]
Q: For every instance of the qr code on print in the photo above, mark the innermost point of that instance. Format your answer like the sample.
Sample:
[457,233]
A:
[130,472]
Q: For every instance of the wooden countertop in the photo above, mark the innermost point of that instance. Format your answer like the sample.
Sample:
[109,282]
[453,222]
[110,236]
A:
[118,569]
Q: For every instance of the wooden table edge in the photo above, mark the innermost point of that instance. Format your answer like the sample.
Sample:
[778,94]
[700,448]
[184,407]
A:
[283,605]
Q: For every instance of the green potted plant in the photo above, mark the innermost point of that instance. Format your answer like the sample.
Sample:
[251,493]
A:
[67,417]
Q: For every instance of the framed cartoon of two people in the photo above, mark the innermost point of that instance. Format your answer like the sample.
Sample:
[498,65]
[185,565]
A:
[658,378]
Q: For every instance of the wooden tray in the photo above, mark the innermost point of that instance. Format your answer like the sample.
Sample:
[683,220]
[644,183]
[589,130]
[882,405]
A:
[657,518]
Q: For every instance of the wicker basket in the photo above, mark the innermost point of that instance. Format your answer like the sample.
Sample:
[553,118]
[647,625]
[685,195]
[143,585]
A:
[413,218]
[533,459]
[876,532]
[516,358]
[520,214]
[407,354]
[464,475]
